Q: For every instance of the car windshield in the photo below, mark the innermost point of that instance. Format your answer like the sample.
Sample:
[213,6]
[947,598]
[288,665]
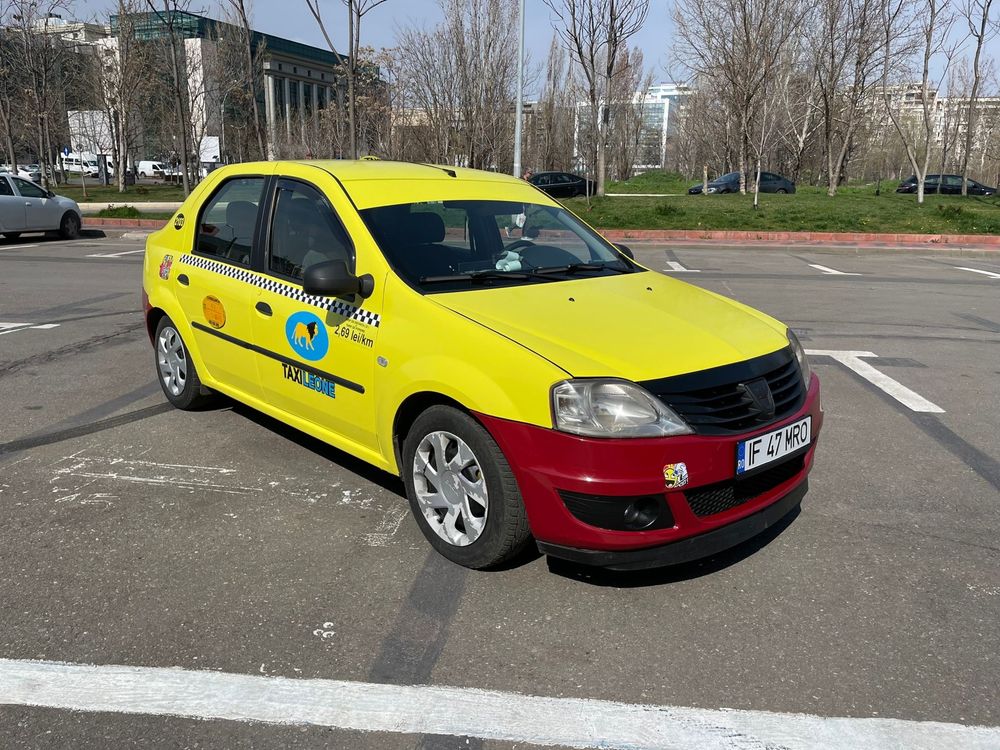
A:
[441,246]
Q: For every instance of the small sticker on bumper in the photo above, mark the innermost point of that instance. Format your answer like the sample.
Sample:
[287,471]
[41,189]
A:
[675,475]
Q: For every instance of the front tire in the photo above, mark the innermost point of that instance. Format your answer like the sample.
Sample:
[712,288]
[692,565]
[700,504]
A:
[177,374]
[69,227]
[462,491]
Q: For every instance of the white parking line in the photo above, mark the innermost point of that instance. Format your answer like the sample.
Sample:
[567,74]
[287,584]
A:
[678,268]
[832,271]
[852,361]
[6,328]
[991,274]
[116,255]
[462,712]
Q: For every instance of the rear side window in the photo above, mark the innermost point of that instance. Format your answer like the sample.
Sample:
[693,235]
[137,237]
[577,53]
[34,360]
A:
[305,231]
[229,221]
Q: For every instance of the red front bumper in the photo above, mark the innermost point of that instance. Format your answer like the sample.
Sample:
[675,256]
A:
[546,461]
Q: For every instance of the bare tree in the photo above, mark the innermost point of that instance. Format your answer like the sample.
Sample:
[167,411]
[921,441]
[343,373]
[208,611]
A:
[849,44]
[597,33]
[550,141]
[249,73]
[738,44]
[932,20]
[37,68]
[356,10]
[166,14]
[976,14]
[8,78]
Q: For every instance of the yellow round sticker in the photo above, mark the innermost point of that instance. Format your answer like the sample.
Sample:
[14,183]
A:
[215,313]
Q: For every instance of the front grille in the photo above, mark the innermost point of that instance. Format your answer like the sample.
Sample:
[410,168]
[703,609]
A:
[714,403]
[715,498]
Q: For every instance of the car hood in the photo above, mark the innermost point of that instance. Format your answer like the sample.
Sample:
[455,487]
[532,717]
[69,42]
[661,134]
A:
[65,202]
[637,326]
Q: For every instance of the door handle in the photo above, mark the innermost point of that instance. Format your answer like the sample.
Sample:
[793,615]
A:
[182,279]
[263,308]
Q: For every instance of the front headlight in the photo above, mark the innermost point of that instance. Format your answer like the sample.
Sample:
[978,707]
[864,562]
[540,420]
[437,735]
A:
[800,355]
[612,408]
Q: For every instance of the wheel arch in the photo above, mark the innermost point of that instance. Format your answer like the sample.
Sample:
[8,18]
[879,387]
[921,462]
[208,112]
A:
[410,409]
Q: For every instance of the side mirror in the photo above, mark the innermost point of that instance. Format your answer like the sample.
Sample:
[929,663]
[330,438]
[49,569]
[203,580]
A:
[625,250]
[332,278]
[50,194]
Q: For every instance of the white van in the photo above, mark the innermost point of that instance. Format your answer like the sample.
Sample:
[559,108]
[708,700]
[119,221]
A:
[80,164]
[152,169]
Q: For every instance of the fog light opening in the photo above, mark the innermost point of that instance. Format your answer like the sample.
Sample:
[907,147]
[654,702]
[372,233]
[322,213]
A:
[641,514]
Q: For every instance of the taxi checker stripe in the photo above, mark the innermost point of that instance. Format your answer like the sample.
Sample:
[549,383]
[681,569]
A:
[336,306]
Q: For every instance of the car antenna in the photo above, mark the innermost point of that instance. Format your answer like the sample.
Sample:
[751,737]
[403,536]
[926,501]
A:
[449,172]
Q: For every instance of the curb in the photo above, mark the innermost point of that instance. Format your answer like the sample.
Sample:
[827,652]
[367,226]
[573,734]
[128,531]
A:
[840,242]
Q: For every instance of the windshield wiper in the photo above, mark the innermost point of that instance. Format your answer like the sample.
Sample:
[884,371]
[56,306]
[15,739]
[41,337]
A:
[485,275]
[572,268]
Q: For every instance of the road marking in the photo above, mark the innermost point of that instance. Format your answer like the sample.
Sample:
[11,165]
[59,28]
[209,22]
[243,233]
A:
[832,271]
[117,255]
[6,328]
[462,712]
[991,274]
[852,361]
[678,268]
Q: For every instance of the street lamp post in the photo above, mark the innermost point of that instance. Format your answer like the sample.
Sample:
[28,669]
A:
[519,109]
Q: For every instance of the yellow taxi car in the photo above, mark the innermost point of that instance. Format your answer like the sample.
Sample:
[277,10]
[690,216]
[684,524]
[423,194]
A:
[527,379]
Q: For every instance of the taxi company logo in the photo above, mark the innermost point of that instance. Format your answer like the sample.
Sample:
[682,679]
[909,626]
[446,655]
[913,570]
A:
[309,380]
[307,336]
[675,475]
[214,312]
[165,264]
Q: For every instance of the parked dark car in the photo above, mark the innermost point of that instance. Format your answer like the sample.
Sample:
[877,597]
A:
[944,184]
[730,183]
[563,184]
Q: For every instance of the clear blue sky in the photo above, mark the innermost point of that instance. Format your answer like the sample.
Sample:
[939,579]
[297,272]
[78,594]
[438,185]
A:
[291,19]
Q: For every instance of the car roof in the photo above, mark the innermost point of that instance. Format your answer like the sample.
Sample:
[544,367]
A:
[365,181]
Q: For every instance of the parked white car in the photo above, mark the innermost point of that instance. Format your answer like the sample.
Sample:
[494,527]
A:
[22,172]
[27,207]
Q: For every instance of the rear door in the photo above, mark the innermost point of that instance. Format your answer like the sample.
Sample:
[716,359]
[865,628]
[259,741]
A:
[951,184]
[317,359]
[12,208]
[216,286]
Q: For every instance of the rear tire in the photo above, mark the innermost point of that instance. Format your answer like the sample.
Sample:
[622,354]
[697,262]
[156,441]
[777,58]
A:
[69,227]
[781,191]
[175,369]
[462,491]
[11,235]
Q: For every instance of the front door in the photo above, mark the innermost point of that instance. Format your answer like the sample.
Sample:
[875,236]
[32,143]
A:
[215,286]
[319,360]
[12,207]
[40,211]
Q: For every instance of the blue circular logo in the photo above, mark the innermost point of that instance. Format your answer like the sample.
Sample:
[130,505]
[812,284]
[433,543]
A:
[307,336]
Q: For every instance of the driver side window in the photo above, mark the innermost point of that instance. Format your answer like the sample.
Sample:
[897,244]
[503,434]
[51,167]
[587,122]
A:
[305,231]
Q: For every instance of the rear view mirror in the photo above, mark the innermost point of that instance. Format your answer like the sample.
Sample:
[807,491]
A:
[625,250]
[333,278]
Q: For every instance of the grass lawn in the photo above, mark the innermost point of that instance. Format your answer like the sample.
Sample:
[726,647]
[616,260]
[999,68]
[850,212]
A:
[808,210]
[97,193]
[654,182]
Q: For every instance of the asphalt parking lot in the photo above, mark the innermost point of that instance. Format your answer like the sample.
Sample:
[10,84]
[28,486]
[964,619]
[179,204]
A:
[224,542]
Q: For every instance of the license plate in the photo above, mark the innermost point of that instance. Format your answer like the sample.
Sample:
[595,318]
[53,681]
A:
[763,449]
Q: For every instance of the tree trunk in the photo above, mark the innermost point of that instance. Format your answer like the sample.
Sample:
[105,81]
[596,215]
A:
[181,110]
[351,62]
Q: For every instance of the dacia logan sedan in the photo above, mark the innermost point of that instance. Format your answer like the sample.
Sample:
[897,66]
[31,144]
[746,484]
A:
[526,378]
